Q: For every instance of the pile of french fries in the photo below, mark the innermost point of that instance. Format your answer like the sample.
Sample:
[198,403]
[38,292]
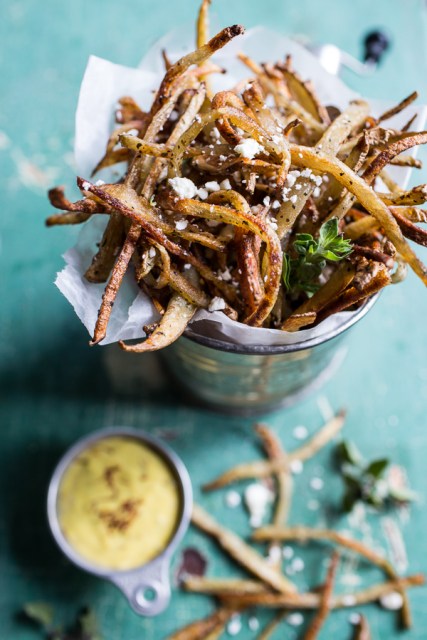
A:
[218,187]
[267,586]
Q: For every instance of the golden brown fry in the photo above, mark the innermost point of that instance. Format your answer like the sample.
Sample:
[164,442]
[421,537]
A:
[69,217]
[416,195]
[203,24]
[399,107]
[104,259]
[265,468]
[171,327]
[304,156]
[299,320]
[309,600]
[242,553]
[325,600]
[222,586]
[200,629]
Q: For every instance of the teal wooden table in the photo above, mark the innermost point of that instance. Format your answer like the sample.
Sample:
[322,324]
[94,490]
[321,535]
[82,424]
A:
[55,389]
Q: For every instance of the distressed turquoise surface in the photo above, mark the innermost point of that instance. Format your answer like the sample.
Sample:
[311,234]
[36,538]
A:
[55,389]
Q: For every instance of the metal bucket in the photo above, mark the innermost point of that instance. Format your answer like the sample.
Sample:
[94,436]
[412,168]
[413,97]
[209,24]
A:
[246,380]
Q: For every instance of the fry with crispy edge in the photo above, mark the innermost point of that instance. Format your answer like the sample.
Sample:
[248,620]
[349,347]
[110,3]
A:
[304,534]
[265,468]
[242,553]
[172,325]
[200,629]
[325,600]
[311,600]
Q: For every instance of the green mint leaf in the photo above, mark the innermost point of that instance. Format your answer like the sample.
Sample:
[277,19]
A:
[376,468]
[286,271]
[328,232]
[39,612]
[348,452]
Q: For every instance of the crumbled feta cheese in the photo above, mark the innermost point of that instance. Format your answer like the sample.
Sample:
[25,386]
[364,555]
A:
[290,180]
[297,565]
[296,466]
[226,275]
[300,155]
[173,116]
[295,619]
[99,183]
[354,618]
[248,148]
[187,266]
[276,204]
[253,623]
[274,554]
[316,484]
[306,173]
[183,187]
[298,187]
[202,193]
[212,186]
[86,185]
[152,252]
[392,601]
[215,133]
[132,132]
[225,184]
[316,192]
[300,432]
[293,198]
[222,158]
[180,225]
[287,552]
[216,304]
[257,499]
[266,201]
[235,625]
[232,499]
[273,224]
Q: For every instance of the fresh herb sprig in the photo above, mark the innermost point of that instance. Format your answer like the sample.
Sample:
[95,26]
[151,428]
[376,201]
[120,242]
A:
[365,482]
[301,274]
[84,628]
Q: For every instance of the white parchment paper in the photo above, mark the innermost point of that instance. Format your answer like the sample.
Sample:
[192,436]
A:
[103,84]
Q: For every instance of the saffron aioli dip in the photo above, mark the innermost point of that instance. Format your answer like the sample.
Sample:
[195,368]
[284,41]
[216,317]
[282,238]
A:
[119,503]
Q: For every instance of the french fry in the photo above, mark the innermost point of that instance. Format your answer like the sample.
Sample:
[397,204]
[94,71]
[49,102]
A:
[242,553]
[325,601]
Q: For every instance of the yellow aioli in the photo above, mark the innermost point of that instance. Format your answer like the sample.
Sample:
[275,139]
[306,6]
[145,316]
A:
[118,503]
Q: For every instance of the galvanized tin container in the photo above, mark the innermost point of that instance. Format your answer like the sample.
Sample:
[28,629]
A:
[246,380]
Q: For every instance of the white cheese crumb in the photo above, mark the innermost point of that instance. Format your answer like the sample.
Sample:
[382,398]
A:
[225,184]
[248,148]
[99,183]
[273,224]
[202,193]
[216,304]
[253,623]
[152,252]
[187,266]
[290,180]
[293,198]
[300,432]
[173,116]
[235,625]
[180,225]
[296,466]
[306,173]
[266,201]
[232,499]
[297,564]
[132,132]
[257,499]
[212,186]
[274,554]
[276,204]
[295,619]
[300,155]
[183,187]
[392,601]
[86,185]
[226,275]
[222,158]
[287,552]
[316,484]
[354,618]
[316,192]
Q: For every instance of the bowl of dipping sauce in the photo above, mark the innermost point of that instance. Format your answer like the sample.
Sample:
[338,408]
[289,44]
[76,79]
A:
[119,502]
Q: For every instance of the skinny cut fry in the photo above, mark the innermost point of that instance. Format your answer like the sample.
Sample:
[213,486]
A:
[265,468]
[247,557]
[325,601]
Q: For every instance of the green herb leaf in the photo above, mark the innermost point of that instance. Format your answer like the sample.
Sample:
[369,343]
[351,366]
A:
[377,468]
[348,452]
[39,612]
[302,273]
[89,625]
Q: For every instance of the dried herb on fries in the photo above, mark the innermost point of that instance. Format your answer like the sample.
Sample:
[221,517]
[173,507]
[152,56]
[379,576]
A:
[257,201]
